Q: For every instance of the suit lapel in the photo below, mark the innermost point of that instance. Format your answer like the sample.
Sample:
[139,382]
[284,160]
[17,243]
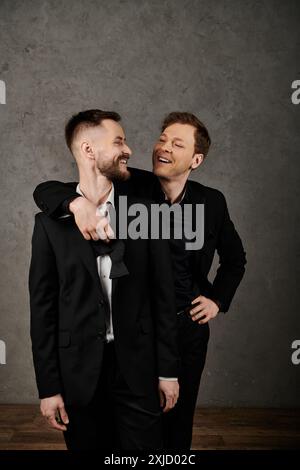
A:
[195,193]
[85,251]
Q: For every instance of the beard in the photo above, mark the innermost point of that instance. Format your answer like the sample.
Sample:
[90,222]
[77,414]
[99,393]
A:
[113,172]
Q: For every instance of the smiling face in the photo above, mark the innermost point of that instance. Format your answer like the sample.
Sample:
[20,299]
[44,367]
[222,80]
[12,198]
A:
[174,154]
[113,152]
[105,146]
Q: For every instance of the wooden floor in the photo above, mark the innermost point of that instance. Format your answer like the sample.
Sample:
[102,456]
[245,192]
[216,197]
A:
[22,427]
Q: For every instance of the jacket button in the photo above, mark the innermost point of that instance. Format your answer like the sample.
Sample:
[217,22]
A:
[101,302]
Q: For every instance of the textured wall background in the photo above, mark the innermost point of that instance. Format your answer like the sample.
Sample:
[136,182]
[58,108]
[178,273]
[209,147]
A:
[231,63]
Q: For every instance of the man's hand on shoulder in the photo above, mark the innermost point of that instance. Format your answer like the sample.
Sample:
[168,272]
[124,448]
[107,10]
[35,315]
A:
[91,225]
[53,409]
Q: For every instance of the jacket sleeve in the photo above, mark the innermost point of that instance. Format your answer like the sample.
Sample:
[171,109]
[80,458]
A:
[52,197]
[232,261]
[44,294]
[164,309]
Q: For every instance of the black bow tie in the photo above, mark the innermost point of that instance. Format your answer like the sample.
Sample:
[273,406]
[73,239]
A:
[115,250]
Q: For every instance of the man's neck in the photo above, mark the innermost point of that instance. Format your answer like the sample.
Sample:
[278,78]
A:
[173,189]
[95,188]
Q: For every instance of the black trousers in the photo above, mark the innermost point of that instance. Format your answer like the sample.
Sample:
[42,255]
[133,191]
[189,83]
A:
[115,419]
[178,423]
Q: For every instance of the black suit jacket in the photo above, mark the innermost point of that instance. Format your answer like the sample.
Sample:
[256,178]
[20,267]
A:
[220,233]
[67,313]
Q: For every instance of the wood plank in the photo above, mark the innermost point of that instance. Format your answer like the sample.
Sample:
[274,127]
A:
[23,428]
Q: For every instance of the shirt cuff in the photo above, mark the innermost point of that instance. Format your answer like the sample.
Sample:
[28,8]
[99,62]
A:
[65,205]
[218,303]
[169,379]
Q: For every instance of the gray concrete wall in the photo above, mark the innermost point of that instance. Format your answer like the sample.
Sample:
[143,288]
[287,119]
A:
[230,62]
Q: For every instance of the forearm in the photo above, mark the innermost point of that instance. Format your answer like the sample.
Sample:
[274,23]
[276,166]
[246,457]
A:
[232,262]
[225,285]
[52,196]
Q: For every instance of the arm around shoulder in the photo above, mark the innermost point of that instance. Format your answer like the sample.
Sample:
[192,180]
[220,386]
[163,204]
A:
[51,196]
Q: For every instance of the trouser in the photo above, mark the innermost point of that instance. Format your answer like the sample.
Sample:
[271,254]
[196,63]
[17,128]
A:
[178,423]
[115,419]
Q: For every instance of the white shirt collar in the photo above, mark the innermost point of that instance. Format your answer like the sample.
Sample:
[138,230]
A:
[110,198]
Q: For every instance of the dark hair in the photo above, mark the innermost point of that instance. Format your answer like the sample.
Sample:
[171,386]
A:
[202,139]
[89,118]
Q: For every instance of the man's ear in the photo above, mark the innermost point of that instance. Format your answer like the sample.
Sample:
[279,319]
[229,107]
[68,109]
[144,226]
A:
[87,150]
[197,160]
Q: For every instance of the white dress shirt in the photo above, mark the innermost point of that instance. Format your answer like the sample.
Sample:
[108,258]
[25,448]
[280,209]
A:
[104,262]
